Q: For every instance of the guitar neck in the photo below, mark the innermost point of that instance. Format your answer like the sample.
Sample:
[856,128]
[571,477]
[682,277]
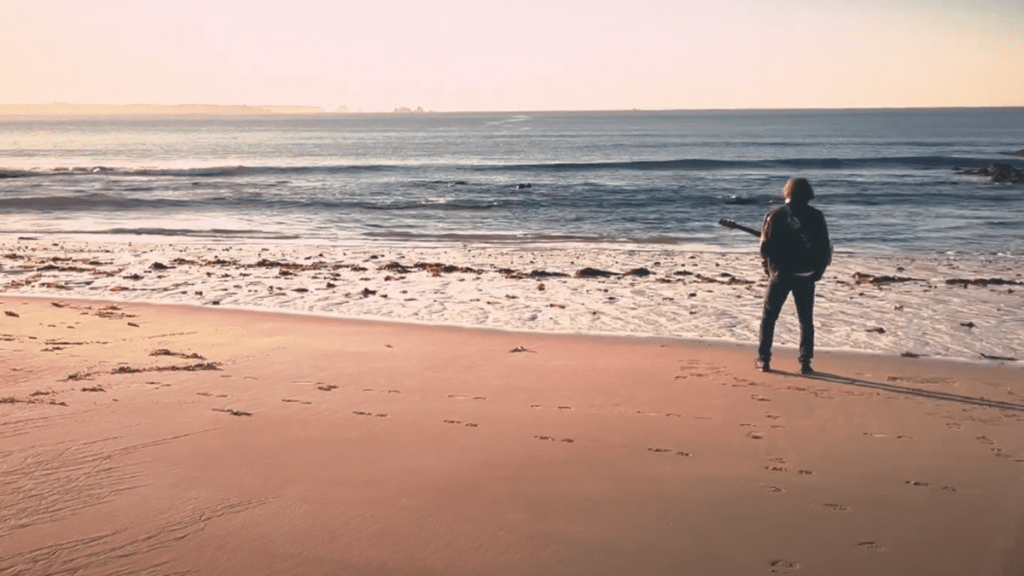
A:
[734,226]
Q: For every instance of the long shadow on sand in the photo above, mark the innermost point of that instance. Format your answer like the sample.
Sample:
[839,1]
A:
[935,395]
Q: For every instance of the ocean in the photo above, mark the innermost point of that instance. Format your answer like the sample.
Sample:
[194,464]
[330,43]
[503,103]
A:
[886,179]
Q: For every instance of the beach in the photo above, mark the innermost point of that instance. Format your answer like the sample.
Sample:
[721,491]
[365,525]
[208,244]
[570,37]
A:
[506,343]
[190,438]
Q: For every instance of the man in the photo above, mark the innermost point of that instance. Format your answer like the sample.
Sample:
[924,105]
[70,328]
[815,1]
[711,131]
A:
[795,250]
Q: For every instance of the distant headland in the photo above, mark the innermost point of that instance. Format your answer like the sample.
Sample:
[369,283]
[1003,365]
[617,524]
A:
[66,109]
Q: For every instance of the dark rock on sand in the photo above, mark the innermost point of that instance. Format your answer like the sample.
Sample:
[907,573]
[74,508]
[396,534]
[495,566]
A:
[546,274]
[519,275]
[861,278]
[638,272]
[983,282]
[594,273]
[438,268]
[396,267]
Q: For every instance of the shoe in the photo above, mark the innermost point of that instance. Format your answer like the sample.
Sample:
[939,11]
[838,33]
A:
[805,368]
[763,365]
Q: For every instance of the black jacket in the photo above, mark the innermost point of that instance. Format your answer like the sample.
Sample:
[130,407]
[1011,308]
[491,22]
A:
[795,243]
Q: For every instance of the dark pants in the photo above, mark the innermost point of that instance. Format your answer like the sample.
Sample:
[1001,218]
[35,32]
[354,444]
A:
[775,296]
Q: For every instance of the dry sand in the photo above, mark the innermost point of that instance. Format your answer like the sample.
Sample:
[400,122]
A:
[173,440]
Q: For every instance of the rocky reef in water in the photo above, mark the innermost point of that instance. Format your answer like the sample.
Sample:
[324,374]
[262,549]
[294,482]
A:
[999,172]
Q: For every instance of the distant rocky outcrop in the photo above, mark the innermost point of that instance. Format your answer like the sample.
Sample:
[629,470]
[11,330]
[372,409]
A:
[998,172]
[342,109]
[407,110]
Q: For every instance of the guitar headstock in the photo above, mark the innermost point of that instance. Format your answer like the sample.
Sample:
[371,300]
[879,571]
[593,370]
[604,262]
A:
[728,223]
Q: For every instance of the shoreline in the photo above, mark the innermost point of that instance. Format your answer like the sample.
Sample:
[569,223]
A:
[170,439]
[787,353]
[959,307]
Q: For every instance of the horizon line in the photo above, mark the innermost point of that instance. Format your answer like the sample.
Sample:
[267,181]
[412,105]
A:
[314,110]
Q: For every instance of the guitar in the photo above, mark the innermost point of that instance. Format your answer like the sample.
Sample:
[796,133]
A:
[734,226]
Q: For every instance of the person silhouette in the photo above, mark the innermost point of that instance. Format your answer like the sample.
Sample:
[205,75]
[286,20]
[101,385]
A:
[795,251]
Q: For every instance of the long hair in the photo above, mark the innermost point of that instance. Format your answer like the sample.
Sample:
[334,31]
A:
[798,191]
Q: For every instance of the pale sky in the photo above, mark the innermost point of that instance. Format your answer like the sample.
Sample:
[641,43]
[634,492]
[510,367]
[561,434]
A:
[450,55]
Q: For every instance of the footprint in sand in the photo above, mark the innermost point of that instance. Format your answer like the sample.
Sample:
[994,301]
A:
[453,421]
[292,400]
[915,483]
[805,472]
[759,398]
[755,435]
[548,438]
[783,566]
[871,545]
[667,450]
[881,435]
[954,426]
[232,412]
[327,387]
[774,489]
[837,507]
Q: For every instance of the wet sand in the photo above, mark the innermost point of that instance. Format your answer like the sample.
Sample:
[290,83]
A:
[949,306]
[173,440]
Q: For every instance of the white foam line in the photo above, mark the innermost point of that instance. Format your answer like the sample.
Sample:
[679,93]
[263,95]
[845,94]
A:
[690,295]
